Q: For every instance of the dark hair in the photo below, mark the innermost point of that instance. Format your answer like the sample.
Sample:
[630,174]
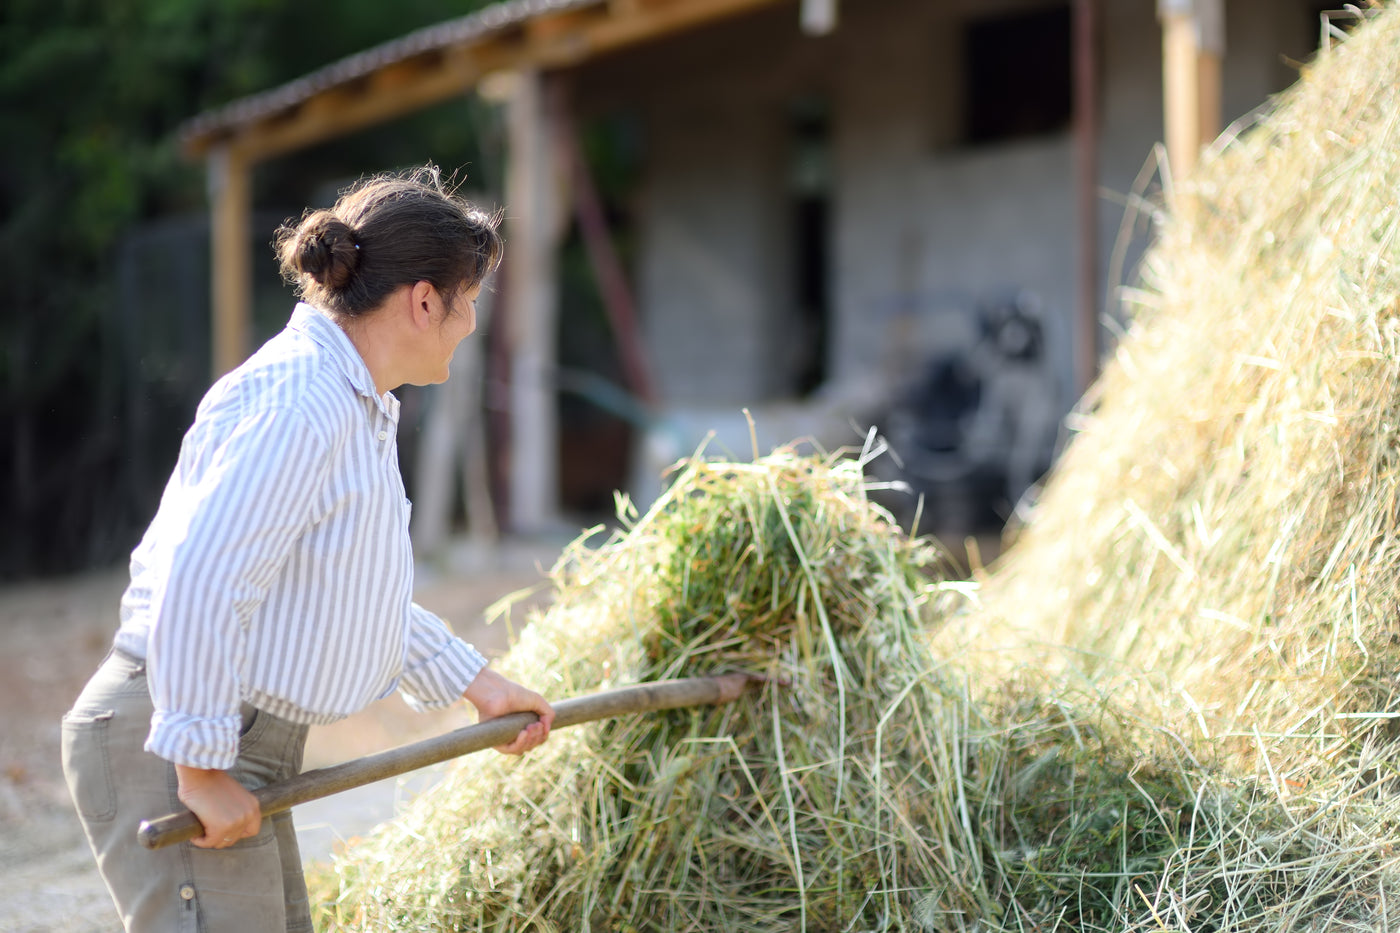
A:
[386,231]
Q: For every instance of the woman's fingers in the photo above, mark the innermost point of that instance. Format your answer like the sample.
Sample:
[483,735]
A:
[532,736]
[230,837]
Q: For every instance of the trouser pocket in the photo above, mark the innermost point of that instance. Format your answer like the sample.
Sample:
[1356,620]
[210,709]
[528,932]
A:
[87,762]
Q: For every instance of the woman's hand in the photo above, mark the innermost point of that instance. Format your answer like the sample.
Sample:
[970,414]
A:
[493,696]
[225,808]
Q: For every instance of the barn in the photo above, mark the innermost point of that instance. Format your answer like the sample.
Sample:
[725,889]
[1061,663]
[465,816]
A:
[913,214]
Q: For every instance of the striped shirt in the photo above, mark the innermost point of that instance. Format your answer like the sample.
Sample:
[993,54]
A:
[278,568]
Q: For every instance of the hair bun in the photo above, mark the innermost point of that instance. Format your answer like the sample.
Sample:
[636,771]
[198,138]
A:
[326,249]
[384,232]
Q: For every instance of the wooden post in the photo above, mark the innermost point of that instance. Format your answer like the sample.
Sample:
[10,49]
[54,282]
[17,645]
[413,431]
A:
[613,286]
[1086,124]
[532,233]
[1193,45]
[1180,83]
[1210,58]
[231,261]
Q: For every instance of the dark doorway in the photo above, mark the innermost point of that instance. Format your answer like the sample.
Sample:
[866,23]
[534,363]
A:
[809,128]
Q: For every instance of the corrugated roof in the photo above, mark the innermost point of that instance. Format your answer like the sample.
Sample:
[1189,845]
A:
[464,30]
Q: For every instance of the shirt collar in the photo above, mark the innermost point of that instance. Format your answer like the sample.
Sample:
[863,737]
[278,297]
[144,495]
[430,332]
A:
[316,324]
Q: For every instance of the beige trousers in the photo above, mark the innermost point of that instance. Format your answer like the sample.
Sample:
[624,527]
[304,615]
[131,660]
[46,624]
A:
[255,886]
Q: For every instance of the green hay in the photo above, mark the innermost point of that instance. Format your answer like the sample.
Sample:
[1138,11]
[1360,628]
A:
[807,802]
[863,788]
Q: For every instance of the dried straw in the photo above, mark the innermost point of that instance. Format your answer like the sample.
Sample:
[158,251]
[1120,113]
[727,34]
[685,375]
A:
[1225,516]
[1218,547]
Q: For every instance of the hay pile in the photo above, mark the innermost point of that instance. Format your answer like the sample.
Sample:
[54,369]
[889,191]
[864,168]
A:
[811,801]
[862,789]
[1218,548]
[1170,709]
[1226,517]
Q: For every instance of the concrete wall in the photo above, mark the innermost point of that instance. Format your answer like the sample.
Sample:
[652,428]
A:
[713,275]
[924,228]
[712,269]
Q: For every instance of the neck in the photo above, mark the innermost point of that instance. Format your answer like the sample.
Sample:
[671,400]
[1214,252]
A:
[361,331]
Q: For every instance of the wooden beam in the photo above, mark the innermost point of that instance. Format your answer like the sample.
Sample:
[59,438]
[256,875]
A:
[613,287]
[231,258]
[387,94]
[1210,62]
[646,21]
[532,232]
[1180,90]
[400,88]
[544,29]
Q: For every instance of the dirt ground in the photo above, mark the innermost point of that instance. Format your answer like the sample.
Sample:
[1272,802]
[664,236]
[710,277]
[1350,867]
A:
[52,636]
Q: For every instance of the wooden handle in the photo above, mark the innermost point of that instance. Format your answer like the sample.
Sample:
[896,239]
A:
[322,782]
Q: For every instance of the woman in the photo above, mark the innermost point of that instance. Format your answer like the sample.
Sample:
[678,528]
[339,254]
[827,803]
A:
[273,589]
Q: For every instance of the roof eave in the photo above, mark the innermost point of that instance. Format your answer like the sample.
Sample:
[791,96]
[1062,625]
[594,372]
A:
[433,64]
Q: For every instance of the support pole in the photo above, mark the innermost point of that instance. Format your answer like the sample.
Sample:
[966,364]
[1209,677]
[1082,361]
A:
[532,234]
[1193,46]
[1210,59]
[1086,134]
[231,260]
[613,286]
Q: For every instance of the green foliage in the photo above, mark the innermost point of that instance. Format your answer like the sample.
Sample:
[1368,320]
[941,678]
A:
[92,94]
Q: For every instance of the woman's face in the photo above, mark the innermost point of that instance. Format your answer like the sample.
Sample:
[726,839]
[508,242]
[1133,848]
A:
[458,320]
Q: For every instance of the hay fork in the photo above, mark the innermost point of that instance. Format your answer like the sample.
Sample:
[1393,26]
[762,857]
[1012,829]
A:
[323,782]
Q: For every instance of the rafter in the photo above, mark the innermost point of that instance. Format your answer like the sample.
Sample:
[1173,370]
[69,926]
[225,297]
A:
[294,117]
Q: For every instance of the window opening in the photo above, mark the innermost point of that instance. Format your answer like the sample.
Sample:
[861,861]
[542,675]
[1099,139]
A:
[1017,78]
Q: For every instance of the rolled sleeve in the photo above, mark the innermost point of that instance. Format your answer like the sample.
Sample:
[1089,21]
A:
[194,741]
[438,665]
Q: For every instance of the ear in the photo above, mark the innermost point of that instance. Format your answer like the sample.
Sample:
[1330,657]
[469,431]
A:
[424,304]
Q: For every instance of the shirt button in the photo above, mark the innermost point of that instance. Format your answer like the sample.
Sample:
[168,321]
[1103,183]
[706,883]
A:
[187,892]
[383,435]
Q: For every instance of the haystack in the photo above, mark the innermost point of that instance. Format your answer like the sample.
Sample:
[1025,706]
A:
[1170,708]
[781,811]
[1217,550]
[863,789]
[1225,519]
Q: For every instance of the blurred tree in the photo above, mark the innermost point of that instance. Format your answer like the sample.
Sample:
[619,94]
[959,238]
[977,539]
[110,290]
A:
[91,95]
